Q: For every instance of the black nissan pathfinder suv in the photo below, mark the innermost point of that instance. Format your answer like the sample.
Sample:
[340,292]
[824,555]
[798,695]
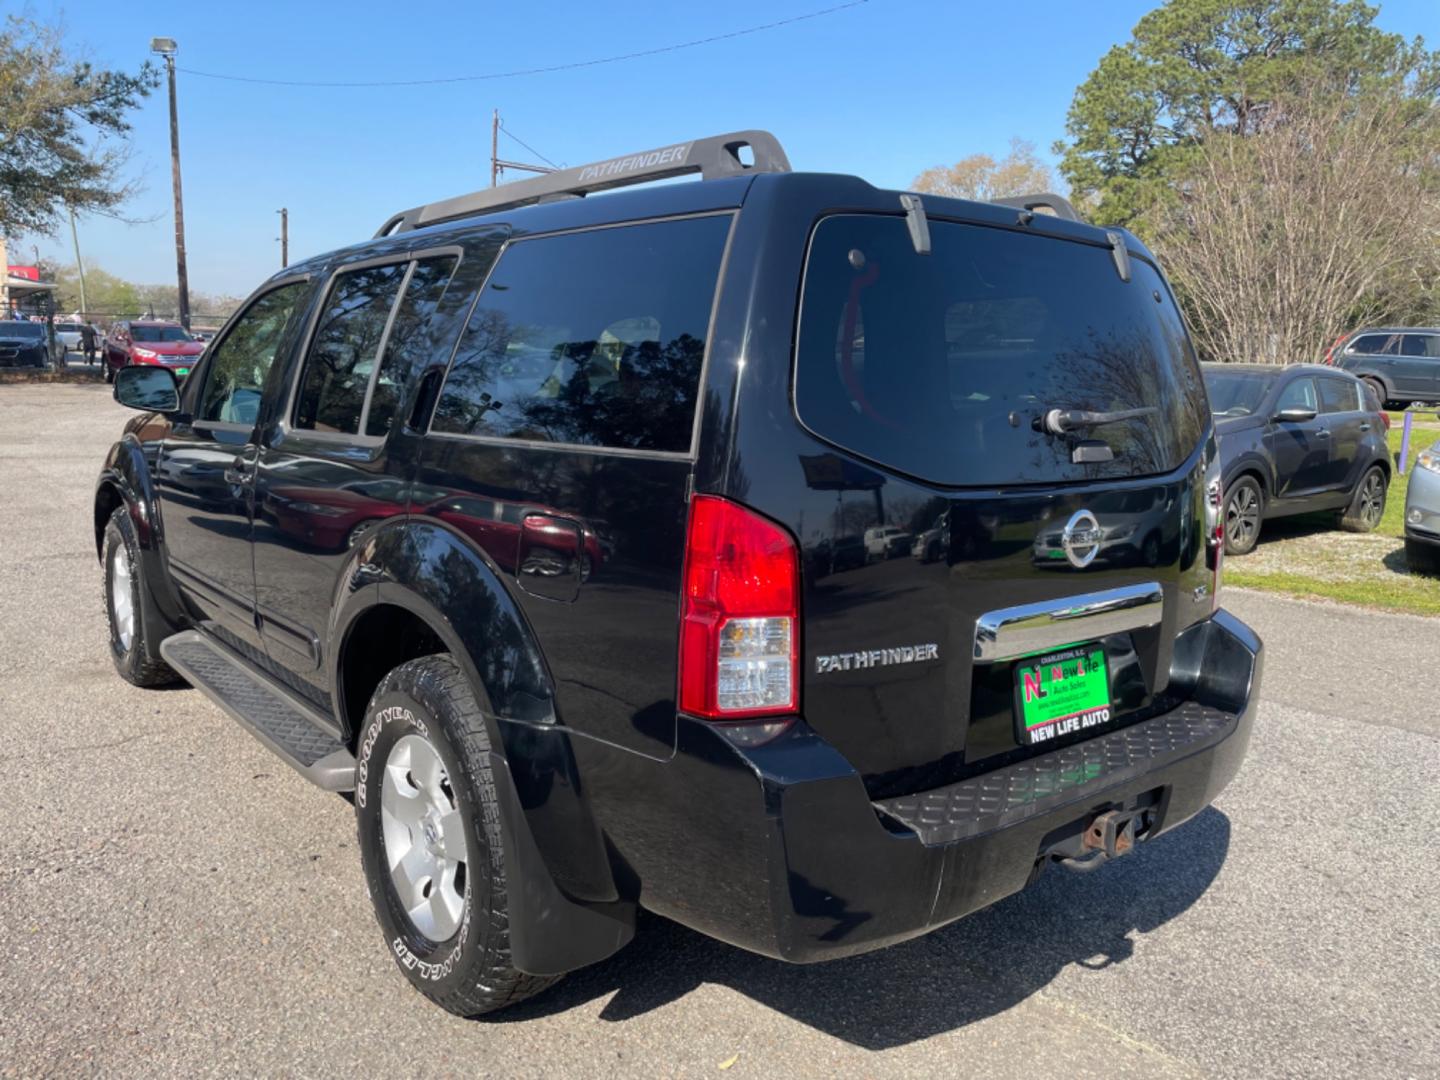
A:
[523,522]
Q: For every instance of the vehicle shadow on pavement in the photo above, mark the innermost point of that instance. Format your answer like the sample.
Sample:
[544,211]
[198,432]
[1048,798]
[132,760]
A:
[973,969]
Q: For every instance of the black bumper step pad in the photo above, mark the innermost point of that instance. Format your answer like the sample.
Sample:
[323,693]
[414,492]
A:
[995,799]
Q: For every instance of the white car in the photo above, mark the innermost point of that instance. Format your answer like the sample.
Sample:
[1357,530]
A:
[67,336]
[884,542]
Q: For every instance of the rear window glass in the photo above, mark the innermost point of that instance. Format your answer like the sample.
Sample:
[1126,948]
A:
[1338,395]
[1420,345]
[1233,394]
[594,338]
[159,333]
[941,365]
[14,328]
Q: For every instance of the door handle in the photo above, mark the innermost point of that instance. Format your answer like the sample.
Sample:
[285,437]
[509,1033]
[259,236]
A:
[1364,427]
[1323,433]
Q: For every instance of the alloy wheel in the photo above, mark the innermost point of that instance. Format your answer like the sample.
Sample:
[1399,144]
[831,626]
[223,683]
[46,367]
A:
[1242,517]
[122,597]
[1372,500]
[424,837]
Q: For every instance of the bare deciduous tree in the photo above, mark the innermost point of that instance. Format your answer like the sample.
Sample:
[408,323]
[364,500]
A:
[980,176]
[1282,239]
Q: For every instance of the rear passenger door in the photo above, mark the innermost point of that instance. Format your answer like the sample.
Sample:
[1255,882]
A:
[324,475]
[565,435]
[1341,404]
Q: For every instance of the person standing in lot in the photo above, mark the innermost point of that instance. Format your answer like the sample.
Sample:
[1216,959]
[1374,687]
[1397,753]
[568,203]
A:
[87,341]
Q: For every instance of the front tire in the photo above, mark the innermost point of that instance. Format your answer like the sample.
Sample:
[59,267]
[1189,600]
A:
[1367,504]
[1422,558]
[1244,510]
[124,587]
[431,840]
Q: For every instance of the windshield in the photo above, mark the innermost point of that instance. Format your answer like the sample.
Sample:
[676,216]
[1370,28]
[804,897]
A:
[31,331]
[1234,394]
[942,365]
[159,333]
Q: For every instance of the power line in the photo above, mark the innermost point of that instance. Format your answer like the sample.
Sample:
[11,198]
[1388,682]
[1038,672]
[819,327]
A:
[540,70]
[527,146]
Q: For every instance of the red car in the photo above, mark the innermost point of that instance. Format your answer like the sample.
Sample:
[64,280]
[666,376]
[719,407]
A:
[149,342]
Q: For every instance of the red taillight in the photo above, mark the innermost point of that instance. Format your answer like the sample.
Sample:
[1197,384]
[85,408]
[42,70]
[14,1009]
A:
[1385,419]
[739,619]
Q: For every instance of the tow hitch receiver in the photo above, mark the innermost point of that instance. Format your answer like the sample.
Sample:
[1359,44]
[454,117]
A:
[1112,832]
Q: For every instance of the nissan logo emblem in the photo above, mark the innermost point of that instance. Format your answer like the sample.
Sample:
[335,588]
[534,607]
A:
[1081,539]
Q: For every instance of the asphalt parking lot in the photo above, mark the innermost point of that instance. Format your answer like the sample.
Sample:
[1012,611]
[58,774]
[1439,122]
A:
[175,900]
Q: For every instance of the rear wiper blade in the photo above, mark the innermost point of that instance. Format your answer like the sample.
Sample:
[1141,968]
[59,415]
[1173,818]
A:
[1061,421]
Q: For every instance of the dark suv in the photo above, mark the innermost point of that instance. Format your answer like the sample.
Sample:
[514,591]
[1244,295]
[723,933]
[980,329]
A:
[1402,364]
[1294,440]
[601,651]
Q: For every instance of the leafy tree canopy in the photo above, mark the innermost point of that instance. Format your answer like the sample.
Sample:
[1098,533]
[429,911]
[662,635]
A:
[1193,67]
[62,123]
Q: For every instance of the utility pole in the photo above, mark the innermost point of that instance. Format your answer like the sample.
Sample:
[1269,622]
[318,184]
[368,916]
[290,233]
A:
[166,47]
[284,237]
[80,269]
[497,165]
[494,147]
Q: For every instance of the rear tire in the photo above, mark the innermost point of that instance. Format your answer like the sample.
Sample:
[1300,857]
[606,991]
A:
[425,799]
[1244,511]
[1422,558]
[1379,388]
[1367,503]
[124,587]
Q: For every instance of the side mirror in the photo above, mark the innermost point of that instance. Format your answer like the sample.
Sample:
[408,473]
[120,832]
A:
[151,389]
[1295,415]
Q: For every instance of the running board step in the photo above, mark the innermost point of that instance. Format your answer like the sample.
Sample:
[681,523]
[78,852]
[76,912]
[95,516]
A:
[288,726]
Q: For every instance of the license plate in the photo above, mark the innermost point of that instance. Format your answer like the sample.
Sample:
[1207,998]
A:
[1061,693]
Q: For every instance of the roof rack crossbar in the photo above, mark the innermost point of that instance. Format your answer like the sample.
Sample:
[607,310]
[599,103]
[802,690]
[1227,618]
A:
[712,157]
[1062,206]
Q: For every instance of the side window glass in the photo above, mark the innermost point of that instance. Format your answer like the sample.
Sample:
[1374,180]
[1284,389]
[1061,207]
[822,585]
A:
[1300,394]
[423,294]
[1338,396]
[345,347]
[593,338]
[239,363]
[1420,345]
[1432,345]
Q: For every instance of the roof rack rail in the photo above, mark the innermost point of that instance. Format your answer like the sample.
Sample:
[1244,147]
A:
[1051,201]
[712,157]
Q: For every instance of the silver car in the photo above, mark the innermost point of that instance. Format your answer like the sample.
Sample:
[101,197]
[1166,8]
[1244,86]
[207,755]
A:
[67,336]
[1422,513]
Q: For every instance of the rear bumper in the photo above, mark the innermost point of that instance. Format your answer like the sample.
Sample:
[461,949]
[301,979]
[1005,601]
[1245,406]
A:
[791,858]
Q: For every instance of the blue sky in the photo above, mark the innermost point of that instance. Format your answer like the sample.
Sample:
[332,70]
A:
[882,90]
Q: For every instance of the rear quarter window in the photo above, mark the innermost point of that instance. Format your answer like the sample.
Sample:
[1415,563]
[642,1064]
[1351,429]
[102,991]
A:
[593,338]
[940,365]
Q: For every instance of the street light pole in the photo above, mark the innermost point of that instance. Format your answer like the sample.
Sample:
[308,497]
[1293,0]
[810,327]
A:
[284,237]
[166,47]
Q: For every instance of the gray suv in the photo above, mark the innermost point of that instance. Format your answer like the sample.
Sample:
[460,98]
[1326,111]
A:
[1401,363]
